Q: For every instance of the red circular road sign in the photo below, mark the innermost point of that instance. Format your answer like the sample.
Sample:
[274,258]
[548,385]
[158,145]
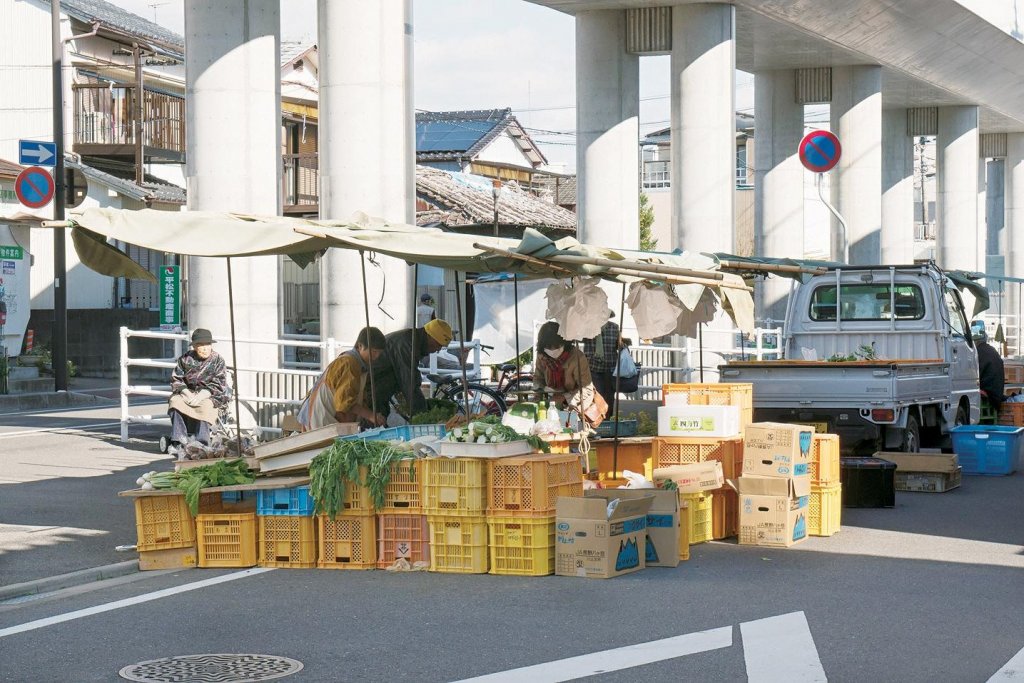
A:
[34,187]
[820,151]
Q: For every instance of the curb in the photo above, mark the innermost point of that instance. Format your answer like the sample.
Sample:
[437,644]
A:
[13,403]
[54,583]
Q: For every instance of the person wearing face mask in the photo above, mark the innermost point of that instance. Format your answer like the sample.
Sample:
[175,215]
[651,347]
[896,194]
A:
[340,393]
[199,388]
[563,369]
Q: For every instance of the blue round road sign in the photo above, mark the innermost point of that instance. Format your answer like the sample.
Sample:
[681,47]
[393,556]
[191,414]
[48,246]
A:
[34,187]
[819,151]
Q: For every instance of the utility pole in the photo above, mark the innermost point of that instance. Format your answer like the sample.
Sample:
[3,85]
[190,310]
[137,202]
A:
[59,344]
[496,192]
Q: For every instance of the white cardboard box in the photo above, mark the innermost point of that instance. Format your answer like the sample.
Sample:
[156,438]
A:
[687,420]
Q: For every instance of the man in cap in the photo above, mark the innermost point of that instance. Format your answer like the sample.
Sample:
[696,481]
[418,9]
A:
[602,353]
[425,311]
[199,388]
[395,374]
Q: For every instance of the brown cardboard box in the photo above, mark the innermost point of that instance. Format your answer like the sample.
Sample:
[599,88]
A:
[662,549]
[593,544]
[173,558]
[773,510]
[932,473]
[693,477]
[773,449]
[793,487]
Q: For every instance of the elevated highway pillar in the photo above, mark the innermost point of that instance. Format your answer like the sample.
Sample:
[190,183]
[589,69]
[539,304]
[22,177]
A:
[897,233]
[956,160]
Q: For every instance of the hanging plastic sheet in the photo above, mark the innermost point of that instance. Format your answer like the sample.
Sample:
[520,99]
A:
[580,310]
[655,308]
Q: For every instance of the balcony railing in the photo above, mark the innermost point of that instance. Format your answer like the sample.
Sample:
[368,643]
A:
[105,117]
[301,180]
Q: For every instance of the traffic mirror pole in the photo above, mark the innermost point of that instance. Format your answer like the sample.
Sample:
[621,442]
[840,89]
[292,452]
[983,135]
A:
[59,344]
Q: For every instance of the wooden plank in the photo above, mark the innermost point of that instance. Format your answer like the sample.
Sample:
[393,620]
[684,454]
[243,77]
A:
[180,465]
[306,440]
[289,461]
[259,484]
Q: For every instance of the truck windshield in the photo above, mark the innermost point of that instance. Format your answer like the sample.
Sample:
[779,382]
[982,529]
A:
[867,302]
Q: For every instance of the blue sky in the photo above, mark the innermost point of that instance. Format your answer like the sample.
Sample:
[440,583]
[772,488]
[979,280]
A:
[482,54]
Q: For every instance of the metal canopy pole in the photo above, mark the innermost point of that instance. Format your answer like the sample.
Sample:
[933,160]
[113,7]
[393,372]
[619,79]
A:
[366,311]
[515,296]
[462,345]
[618,371]
[234,361]
[412,361]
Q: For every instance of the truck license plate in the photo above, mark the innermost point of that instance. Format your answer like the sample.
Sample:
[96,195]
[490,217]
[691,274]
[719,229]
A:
[819,427]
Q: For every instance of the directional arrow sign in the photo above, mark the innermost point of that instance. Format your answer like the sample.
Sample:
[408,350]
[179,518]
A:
[34,152]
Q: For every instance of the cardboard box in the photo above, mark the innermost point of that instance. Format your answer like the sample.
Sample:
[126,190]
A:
[931,473]
[662,549]
[779,521]
[790,487]
[593,544]
[686,420]
[693,477]
[172,558]
[772,449]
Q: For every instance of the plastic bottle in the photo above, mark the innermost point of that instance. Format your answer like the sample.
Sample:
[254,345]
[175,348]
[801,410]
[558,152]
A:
[542,411]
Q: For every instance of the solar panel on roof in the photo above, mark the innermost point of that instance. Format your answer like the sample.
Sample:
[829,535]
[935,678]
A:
[450,136]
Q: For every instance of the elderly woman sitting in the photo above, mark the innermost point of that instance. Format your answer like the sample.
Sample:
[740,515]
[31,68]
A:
[198,389]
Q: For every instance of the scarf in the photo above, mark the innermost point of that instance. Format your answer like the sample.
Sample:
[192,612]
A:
[556,371]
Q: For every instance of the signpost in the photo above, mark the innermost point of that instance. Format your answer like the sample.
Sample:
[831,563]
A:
[34,187]
[170,298]
[36,153]
[819,152]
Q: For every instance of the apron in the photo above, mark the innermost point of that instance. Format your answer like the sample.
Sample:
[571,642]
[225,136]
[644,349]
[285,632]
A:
[317,409]
[205,411]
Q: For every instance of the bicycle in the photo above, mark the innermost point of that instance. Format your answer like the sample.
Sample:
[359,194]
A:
[512,384]
[481,399]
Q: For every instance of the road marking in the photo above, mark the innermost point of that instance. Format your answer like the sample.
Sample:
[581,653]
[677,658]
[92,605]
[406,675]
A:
[1013,670]
[128,602]
[62,430]
[82,409]
[780,649]
[613,660]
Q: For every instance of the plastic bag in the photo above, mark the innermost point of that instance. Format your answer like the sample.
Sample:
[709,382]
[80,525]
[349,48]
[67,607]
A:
[580,311]
[626,367]
[637,481]
[655,308]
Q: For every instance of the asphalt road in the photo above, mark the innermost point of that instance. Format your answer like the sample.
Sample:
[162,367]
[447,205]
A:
[928,591]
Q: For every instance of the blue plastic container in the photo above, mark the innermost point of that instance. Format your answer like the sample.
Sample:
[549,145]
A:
[403,433]
[295,502]
[626,428]
[988,449]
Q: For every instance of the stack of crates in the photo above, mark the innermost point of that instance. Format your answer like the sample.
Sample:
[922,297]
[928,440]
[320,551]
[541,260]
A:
[521,498]
[825,506]
[349,540]
[287,530]
[163,523]
[714,514]
[402,529]
[455,502]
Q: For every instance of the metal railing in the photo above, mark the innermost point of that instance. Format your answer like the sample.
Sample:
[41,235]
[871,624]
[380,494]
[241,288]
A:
[300,180]
[104,115]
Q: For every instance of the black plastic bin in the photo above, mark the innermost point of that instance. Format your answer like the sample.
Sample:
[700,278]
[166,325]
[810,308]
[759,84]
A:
[868,483]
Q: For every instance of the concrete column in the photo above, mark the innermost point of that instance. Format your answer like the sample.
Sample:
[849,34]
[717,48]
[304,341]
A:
[367,154]
[607,131]
[956,160]
[857,179]
[995,214]
[703,71]
[1014,200]
[233,146]
[897,235]
[778,184]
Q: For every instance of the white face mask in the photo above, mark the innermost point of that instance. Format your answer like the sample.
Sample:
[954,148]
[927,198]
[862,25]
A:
[554,353]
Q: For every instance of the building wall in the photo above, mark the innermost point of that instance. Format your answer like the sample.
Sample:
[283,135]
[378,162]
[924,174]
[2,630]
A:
[25,75]
[504,150]
[661,203]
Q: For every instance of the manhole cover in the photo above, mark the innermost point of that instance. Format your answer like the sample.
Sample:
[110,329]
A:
[219,668]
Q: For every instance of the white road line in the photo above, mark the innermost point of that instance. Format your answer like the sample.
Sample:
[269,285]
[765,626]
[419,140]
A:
[82,409]
[54,430]
[613,660]
[128,602]
[1013,670]
[781,649]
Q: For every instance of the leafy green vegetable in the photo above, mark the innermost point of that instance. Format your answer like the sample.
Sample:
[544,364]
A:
[364,463]
[193,481]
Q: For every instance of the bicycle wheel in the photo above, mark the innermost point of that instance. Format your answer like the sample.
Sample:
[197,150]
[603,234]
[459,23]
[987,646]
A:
[510,394]
[482,400]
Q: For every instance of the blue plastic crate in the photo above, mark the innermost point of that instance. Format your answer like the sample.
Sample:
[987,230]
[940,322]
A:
[988,449]
[295,502]
[626,428]
[232,496]
[403,433]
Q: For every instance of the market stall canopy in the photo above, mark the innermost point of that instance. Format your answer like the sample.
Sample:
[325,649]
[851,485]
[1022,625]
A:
[535,255]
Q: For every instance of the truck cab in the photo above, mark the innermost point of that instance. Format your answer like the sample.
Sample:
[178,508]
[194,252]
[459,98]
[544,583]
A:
[881,355]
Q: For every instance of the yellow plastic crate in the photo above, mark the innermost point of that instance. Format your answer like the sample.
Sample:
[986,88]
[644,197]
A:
[824,463]
[670,451]
[348,541]
[725,512]
[227,540]
[635,457]
[404,492]
[402,536]
[522,546]
[163,522]
[455,487]
[531,485]
[684,531]
[824,510]
[701,516]
[736,394]
[458,544]
[287,541]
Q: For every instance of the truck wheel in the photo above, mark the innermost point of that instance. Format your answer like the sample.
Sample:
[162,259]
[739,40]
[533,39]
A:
[911,436]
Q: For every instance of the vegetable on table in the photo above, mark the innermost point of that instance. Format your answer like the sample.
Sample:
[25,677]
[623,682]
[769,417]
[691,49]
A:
[193,481]
[347,461]
[489,430]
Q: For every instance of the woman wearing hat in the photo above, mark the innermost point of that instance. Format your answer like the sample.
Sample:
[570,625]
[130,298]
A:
[199,388]
[395,374]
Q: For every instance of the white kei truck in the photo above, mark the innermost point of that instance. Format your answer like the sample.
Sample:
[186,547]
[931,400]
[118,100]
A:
[881,355]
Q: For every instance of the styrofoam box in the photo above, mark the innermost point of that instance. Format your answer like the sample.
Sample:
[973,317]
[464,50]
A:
[686,420]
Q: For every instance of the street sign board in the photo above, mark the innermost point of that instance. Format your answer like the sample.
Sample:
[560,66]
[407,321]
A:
[819,151]
[36,153]
[34,187]
[170,297]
